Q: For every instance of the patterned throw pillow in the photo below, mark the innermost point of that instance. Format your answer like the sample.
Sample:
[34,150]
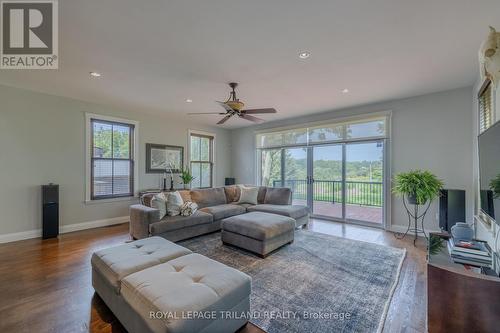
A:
[188,208]
[159,201]
[174,203]
[248,195]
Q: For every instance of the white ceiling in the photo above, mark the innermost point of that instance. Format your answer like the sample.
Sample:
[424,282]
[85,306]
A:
[155,54]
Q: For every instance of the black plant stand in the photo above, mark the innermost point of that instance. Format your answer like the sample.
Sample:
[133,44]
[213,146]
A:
[414,217]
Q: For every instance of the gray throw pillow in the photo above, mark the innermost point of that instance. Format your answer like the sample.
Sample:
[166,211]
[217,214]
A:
[248,195]
[174,203]
[159,201]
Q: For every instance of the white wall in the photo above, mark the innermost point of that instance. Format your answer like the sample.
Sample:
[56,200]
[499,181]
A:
[431,132]
[42,140]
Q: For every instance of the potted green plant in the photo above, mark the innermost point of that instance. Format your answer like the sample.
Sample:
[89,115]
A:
[186,178]
[495,186]
[418,186]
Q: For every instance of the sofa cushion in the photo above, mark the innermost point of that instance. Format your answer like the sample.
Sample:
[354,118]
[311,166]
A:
[262,194]
[159,201]
[293,211]
[185,195]
[244,205]
[189,284]
[259,225]
[146,199]
[115,263]
[222,211]
[209,197]
[174,203]
[248,194]
[232,193]
[169,223]
[278,196]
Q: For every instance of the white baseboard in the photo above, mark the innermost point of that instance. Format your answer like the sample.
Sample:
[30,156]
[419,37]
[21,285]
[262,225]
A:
[17,236]
[93,224]
[403,228]
[63,229]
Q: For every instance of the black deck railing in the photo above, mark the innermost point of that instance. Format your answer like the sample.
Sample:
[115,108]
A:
[357,192]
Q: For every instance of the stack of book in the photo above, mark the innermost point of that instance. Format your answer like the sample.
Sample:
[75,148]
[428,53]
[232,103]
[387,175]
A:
[473,252]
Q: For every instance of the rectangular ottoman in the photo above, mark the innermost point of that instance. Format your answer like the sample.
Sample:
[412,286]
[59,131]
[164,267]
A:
[155,286]
[258,232]
[117,262]
[191,285]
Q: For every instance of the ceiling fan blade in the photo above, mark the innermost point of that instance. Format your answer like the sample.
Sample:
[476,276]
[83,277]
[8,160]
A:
[257,111]
[251,118]
[223,120]
[225,106]
[194,113]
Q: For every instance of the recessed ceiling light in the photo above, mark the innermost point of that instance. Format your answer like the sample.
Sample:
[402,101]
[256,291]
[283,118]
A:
[189,100]
[345,91]
[304,55]
[95,74]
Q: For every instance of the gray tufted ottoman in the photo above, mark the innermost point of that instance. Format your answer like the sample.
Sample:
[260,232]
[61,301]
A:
[258,232]
[154,285]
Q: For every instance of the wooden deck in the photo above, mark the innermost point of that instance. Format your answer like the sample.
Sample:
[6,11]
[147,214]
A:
[353,212]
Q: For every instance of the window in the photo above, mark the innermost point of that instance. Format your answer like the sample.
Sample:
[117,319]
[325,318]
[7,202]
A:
[485,107]
[111,146]
[202,159]
[323,133]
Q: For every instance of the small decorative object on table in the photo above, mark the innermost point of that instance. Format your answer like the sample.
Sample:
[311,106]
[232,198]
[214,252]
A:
[418,188]
[462,231]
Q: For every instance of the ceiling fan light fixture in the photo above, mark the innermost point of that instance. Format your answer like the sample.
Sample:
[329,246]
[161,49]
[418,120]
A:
[236,105]
[345,91]
[189,100]
[304,55]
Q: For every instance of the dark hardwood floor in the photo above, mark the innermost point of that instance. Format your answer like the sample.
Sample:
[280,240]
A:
[45,286]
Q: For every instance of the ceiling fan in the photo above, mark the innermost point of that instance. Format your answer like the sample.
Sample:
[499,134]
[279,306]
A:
[234,107]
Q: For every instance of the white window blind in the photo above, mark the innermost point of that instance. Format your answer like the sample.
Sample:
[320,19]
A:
[485,107]
[369,128]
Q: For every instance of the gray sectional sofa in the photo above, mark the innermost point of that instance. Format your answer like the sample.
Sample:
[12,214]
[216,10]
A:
[215,204]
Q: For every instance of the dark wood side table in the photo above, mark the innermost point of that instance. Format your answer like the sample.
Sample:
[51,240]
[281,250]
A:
[458,299]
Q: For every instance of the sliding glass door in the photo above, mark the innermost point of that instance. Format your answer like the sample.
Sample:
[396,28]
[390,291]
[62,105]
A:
[295,174]
[343,181]
[327,171]
[364,187]
[335,168]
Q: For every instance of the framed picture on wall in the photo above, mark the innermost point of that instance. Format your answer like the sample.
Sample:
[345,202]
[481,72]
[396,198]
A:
[159,158]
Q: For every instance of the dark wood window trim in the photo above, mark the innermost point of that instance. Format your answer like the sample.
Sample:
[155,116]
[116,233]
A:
[130,158]
[210,160]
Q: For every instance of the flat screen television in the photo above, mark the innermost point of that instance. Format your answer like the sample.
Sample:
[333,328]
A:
[489,172]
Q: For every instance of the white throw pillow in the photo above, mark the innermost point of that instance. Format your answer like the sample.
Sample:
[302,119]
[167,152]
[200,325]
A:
[159,201]
[248,195]
[174,203]
[188,208]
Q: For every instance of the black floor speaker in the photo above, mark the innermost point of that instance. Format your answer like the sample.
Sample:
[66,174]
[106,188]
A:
[50,211]
[451,208]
